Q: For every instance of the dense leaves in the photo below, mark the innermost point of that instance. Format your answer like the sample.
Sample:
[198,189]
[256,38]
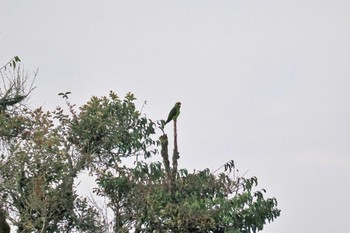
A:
[38,169]
[204,202]
[111,128]
[43,153]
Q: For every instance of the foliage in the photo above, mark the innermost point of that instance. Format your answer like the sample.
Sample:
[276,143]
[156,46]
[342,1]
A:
[111,129]
[38,169]
[43,153]
[11,64]
[204,202]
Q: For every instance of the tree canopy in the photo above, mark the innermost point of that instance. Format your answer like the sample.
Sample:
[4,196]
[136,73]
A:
[43,152]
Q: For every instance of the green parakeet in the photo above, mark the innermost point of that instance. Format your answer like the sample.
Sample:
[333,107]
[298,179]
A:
[174,113]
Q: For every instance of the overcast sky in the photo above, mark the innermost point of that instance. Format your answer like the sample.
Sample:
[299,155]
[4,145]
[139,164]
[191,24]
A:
[265,83]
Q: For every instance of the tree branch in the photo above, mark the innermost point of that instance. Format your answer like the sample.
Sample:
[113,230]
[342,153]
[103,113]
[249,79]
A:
[164,152]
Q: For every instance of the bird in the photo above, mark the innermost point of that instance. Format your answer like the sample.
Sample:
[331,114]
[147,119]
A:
[174,113]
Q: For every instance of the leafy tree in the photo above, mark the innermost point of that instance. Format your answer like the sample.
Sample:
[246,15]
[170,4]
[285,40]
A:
[43,153]
[141,200]
[156,197]
[38,165]
[109,129]
[38,168]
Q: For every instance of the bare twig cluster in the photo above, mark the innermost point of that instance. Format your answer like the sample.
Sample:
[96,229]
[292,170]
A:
[16,84]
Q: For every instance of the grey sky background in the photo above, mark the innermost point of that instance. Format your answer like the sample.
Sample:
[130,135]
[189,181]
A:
[265,83]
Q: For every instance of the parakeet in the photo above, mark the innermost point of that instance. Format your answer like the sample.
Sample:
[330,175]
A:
[174,113]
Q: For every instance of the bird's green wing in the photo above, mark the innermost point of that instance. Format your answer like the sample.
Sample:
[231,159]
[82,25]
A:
[171,115]
[177,107]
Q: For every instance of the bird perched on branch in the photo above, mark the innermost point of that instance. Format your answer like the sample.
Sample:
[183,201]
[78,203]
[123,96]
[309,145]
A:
[174,113]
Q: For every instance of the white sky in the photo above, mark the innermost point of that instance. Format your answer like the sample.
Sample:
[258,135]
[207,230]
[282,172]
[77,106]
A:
[265,83]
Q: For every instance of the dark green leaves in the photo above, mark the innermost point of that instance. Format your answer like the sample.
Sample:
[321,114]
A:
[65,95]
[230,166]
[112,128]
[203,202]
[12,63]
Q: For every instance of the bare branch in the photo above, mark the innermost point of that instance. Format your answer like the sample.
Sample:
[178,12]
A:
[15,88]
